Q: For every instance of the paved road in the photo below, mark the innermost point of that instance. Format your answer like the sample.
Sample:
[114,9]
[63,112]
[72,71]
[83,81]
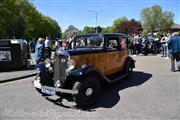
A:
[153,92]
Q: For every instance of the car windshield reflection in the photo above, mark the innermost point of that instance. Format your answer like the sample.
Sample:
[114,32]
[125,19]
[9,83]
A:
[93,42]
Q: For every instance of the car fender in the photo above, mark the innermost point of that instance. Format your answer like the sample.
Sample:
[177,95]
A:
[40,67]
[83,70]
[79,73]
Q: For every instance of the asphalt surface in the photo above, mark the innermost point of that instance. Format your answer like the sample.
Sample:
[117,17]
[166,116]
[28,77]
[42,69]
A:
[8,75]
[152,92]
[16,75]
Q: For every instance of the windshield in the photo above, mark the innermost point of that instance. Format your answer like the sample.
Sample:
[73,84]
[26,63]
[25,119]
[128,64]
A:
[89,42]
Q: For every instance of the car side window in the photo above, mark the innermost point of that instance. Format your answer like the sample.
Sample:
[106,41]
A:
[89,42]
[112,44]
[123,44]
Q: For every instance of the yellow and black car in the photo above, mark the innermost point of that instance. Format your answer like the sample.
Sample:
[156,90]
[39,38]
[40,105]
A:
[93,59]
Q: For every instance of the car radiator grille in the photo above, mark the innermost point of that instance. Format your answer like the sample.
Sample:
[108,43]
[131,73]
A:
[60,66]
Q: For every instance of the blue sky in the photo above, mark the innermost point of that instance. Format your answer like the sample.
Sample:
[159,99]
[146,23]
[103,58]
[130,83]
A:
[77,12]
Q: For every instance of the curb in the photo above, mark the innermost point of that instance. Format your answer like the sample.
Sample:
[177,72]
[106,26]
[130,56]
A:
[17,78]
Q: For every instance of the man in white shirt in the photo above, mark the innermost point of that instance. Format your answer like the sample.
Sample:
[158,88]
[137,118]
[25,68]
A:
[47,48]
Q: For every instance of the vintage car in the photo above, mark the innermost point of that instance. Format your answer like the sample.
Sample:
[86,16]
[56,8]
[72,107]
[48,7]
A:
[80,71]
[150,46]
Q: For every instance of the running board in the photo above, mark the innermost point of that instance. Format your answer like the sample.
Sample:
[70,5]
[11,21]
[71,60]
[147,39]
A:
[116,77]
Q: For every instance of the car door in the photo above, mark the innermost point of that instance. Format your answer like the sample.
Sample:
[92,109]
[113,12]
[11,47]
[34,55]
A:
[109,59]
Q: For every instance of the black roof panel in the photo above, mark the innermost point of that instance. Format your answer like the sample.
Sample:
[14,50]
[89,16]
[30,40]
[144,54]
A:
[102,34]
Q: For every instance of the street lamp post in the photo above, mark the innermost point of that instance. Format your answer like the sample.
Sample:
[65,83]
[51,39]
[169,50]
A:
[96,18]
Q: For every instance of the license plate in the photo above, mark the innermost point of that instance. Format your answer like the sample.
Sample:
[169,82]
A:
[5,55]
[47,91]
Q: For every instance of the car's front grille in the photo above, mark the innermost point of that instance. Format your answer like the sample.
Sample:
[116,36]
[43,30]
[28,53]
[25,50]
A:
[60,66]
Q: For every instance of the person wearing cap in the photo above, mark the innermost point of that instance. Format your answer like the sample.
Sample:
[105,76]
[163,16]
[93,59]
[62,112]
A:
[39,50]
[174,50]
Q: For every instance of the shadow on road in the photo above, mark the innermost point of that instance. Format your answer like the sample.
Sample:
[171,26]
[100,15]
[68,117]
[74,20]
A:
[110,95]
[110,92]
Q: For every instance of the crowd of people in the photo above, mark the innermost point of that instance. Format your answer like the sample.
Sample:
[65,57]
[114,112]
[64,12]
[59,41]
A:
[146,44]
[167,44]
[43,47]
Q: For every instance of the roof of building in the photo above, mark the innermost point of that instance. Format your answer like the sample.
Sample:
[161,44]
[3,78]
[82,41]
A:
[175,26]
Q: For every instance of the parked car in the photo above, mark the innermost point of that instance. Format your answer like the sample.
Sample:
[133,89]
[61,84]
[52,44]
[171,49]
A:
[13,53]
[80,72]
[150,46]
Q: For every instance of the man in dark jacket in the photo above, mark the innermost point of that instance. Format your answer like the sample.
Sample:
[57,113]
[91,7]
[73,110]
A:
[39,50]
[174,50]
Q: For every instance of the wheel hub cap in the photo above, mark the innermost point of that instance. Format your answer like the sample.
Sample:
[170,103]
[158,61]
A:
[89,92]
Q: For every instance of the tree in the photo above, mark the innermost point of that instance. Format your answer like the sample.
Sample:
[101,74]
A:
[19,18]
[117,23]
[107,29]
[130,27]
[70,31]
[11,22]
[88,29]
[167,21]
[154,18]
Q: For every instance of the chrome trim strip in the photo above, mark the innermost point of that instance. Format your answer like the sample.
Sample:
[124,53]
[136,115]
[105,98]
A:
[61,90]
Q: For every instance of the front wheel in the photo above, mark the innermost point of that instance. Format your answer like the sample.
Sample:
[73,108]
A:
[88,91]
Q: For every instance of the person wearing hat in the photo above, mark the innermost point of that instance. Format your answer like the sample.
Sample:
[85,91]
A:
[39,50]
[174,50]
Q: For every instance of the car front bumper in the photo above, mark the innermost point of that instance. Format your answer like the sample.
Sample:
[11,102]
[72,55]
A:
[38,85]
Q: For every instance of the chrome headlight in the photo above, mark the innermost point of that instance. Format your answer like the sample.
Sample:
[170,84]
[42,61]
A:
[57,83]
[71,65]
[47,63]
[50,69]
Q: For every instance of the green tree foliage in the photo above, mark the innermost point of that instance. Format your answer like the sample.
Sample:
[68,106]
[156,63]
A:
[117,22]
[107,30]
[11,22]
[88,29]
[123,25]
[19,18]
[154,18]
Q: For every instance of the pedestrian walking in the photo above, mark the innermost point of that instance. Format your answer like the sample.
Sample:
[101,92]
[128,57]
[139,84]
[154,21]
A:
[137,44]
[39,51]
[164,41]
[174,50]
[47,51]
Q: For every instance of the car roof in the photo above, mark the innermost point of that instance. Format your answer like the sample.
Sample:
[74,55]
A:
[102,34]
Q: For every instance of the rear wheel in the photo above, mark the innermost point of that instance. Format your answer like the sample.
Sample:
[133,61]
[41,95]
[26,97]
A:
[129,68]
[88,91]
